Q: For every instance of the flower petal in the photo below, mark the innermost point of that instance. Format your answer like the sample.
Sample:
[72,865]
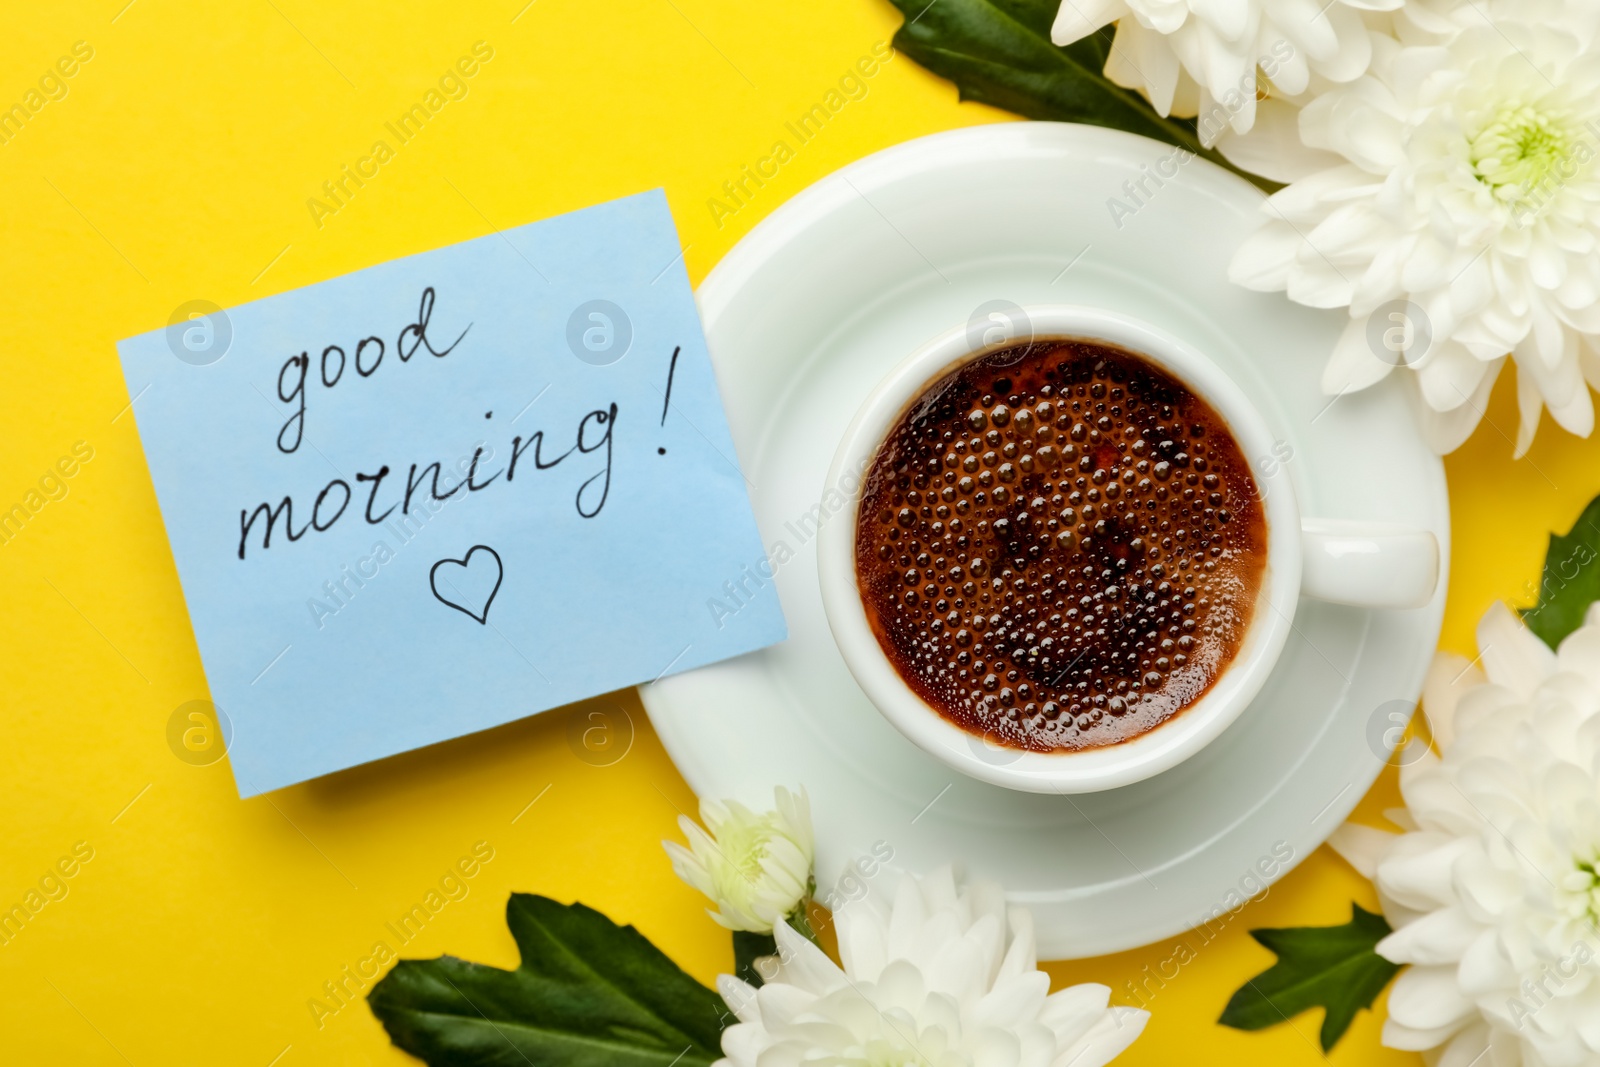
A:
[1446,431]
[740,997]
[1353,365]
[1108,1038]
[1467,1048]
[1449,676]
[1426,1001]
[1362,847]
[1070,1012]
[1440,937]
[1079,18]
[803,963]
[1272,146]
[1417,870]
[1512,656]
[1264,260]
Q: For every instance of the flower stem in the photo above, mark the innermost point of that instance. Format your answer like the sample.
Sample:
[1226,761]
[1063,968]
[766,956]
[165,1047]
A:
[799,921]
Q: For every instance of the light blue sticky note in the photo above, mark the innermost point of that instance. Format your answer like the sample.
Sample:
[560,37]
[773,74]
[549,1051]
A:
[449,491]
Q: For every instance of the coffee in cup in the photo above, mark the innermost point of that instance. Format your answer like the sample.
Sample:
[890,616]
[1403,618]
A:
[1060,546]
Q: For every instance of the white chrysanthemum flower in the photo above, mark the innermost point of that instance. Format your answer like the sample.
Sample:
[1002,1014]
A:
[755,867]
[1494,889]
[1447,198]
[1200,58]
[944,975]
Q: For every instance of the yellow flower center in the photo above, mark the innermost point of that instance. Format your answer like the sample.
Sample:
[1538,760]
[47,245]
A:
[1589,893]
[1525,152]
[744,845]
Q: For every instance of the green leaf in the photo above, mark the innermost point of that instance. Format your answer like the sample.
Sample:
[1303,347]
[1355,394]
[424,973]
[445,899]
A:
[1329,967]
[589,993]
[1571,579]
[999,52]
[747,948]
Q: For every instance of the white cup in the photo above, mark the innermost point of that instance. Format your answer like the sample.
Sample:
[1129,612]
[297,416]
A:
[1370,565]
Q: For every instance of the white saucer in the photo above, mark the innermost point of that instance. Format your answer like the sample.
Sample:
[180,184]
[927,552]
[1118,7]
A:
[821,299]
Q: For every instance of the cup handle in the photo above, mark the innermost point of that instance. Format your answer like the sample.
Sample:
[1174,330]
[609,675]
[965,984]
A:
[1369,565]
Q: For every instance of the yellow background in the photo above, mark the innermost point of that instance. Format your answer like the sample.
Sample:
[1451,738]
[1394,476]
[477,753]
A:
[178,167]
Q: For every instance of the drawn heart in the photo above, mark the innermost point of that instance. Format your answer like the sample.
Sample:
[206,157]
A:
[467,585]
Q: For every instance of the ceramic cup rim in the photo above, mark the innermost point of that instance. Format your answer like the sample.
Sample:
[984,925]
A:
[1088,770]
